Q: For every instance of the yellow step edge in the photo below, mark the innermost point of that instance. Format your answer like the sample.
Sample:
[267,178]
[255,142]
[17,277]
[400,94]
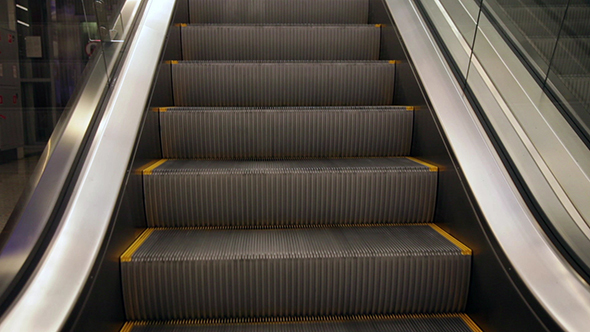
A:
[470,323]
[430,166]
[379,25]
[464,249]
[127,327]
[160,109]
[149,166]
[213,228]
[393,61]
[171,62]
[128,254]
[180,25]
[290,320]
[149,169]
[140,170]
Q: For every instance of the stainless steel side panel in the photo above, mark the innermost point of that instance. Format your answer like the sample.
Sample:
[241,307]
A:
[565,296]
[49,296]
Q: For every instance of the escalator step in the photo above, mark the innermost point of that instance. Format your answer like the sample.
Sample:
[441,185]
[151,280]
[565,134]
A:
[280,42]
[389,323]
[279,11]
[194,274]
[182,193]
[283,83]
[281,132]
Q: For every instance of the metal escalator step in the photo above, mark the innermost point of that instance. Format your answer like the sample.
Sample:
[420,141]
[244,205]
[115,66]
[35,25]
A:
[382,323]
[182,193]
[283,83]
[198,274]
[281,42]
[285,132]
[279,11]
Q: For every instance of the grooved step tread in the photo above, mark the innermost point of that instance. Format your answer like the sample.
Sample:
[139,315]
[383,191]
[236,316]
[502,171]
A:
[285,132]
[192,274]
[184,193]
[392,323]
[280,42]
[283,83]
[336,165]
[279,11]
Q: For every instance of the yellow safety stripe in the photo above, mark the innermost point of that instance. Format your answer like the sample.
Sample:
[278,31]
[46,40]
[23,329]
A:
[152,166]
[128,254]
[470,323]
[430,166]
[465,250]
[127,327]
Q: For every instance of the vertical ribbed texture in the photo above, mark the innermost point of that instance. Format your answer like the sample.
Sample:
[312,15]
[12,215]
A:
[279,11]
[280,42]
[321,83]
[285,132]
[402,324]
[295,192]
[253,113]
[184,274]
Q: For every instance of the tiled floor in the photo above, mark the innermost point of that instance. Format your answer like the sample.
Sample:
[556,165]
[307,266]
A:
[13,179]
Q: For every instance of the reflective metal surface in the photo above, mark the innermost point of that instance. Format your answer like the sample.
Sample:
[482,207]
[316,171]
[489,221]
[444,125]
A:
[554,161]
[33,211]
[47,299]
[564,295]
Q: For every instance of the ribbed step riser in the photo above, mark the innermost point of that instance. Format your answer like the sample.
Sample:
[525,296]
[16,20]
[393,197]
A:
[283,84]
[280,42]
[293,273]
[318,195]
[279,11]
[368,324]
[285,132]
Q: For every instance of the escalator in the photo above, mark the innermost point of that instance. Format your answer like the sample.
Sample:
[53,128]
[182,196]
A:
[289,165]
[287,199]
